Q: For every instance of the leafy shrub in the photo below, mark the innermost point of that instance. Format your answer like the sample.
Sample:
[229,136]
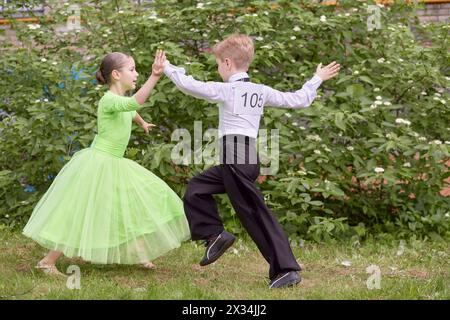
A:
[367,157]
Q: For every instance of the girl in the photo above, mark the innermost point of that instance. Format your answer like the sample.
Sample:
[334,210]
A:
[102,207]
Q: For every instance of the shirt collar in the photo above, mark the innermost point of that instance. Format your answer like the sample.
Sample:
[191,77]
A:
[238,76]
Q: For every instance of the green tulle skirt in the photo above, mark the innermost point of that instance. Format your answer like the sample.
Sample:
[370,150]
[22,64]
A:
[108,209]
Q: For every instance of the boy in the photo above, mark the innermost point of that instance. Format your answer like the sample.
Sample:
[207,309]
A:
[241,105]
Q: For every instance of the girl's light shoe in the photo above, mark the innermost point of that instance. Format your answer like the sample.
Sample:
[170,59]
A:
[49,269]
[149,265]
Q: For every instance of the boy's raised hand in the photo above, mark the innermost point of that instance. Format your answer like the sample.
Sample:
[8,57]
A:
[158,64]
[328,71]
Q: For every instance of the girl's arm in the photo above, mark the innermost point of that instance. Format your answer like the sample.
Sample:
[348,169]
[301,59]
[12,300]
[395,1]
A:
[157,70]
[143,124]
[138,119]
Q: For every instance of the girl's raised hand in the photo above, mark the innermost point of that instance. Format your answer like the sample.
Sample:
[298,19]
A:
[158,64]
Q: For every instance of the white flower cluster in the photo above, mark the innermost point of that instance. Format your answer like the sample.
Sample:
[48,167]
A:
[437,97]
[379,102]
[382,60]
[154,16]
[390,135]
[379,170]
[313,137]
[402,121]
[107,33]
[34,26]
[325,147]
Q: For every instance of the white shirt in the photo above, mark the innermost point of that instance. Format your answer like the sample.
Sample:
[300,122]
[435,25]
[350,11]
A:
[241,103]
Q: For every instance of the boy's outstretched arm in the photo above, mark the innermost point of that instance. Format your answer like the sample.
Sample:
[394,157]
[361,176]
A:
[210,91]
[305,96]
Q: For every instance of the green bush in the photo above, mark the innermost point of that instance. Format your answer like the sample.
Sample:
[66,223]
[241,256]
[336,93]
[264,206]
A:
[366,158]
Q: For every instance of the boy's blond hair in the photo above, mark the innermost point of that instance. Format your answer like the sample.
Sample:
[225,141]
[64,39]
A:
[238,48]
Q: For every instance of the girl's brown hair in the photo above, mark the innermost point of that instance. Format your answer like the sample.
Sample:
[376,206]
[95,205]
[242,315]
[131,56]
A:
[112,61]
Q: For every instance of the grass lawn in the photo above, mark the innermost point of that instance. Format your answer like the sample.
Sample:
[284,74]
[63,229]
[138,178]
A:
[415,270]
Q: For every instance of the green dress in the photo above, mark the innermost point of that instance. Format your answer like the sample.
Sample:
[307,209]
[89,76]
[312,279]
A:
[105,208]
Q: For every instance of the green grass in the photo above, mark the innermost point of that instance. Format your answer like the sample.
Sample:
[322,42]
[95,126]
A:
[420,272]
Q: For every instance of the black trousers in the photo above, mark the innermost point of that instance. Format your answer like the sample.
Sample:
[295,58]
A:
[236,176]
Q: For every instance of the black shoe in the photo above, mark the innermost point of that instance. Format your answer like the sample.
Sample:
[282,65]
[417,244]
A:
[287,279]
[215,247]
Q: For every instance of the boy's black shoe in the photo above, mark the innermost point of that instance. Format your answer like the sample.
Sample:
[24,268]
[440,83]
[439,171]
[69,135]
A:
[216,246]
[287,279]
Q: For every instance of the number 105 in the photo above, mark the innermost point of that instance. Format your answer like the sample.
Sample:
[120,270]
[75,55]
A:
[255,100]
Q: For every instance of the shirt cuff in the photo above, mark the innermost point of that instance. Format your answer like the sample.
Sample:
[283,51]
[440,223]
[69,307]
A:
[316,81]
[169,69]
